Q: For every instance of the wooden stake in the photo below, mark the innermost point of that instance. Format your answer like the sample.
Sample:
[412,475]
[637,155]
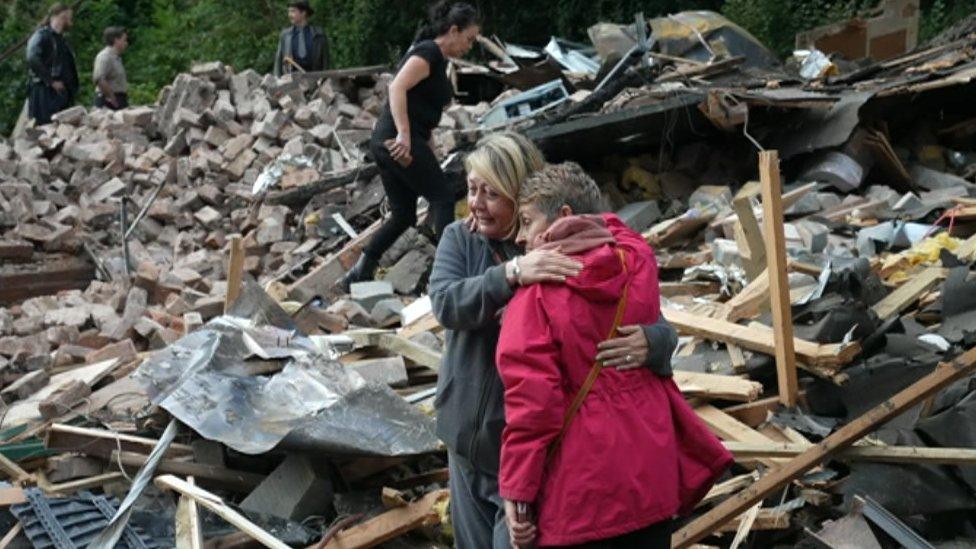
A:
[235,271]
[779,287]
[830,446]
[188,532]
[217,505]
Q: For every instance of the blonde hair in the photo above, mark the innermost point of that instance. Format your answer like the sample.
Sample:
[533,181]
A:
[505,160]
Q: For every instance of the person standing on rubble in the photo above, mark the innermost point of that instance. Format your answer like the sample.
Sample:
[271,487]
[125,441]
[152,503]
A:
[401,142]
[51,63]
[109,73]
[301,45]
[603,458]
[477,269]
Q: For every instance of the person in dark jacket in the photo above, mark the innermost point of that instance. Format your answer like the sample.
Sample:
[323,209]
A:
[401,139]
[477,269]
[301,45]
[51,63]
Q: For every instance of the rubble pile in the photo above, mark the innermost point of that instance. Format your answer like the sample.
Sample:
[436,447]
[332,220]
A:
[177,264]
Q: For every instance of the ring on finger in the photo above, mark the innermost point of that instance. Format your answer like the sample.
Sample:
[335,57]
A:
[629,358]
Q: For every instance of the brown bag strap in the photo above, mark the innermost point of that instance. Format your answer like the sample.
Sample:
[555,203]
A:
[595,369]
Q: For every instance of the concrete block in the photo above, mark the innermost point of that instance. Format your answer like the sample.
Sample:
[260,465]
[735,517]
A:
[368,294]
[640,216]
[390,371]
[297,489]
[387,312]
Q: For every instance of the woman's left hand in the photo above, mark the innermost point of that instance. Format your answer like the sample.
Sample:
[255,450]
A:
[626,352]
[521,534]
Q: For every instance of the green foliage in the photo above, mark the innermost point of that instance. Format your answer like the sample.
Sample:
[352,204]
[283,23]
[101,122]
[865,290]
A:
[169,35]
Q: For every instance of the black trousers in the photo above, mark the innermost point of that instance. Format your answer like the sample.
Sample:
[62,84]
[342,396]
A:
[655,536]
[121,102]
[43,102]
[403,186]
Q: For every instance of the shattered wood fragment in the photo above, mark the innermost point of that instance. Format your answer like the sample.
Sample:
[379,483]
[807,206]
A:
[728,428]
[221,509]
[391,524]
[189,534]
[718,387]
[836,442]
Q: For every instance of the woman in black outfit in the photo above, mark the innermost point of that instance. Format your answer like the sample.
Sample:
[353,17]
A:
[401,140]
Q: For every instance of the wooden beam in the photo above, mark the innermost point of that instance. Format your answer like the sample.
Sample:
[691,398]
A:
[237,481]
[99,443]
[391,524]
[767,519]
[827,448]
[779,285]
[12,496]
[235,271]
[16,473]
[729,487]
[718,387]
[217,505]
[908,293]
[297,197]
[878,454]
[829,356]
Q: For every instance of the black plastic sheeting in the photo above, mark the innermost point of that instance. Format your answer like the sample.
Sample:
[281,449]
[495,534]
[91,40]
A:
[958,306]
[314,400]
[69,523]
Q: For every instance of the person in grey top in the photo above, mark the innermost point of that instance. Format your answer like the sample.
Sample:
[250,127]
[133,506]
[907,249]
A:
[111,83]
[301,47]
[476,271]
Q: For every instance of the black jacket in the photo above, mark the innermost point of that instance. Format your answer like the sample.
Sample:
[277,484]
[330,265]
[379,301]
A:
[319,51]
[49,58]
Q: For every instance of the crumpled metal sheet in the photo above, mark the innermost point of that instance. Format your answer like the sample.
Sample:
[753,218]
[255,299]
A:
[272,174]
[331,408]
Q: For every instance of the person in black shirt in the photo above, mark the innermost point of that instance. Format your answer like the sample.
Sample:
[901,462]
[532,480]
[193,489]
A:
[401,139]
[53,74]
[301,44]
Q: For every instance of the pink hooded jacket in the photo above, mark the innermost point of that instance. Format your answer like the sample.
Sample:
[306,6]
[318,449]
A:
[635,454]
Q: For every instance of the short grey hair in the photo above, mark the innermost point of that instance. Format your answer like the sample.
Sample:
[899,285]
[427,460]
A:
[558,185]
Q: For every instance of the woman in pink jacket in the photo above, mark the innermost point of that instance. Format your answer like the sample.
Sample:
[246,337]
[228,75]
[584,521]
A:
[617,470]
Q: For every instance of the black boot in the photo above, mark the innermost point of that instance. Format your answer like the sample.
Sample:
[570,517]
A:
[363,270]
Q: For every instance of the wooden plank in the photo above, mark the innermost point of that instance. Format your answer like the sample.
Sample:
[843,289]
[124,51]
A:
[715,386]
[779,285]
[426,323]
[217,505]
[11,536]
[767,519]
[100,443]
[189,534]
[321,280]
[908,293]
[235,271]
[878,454]
[830,446]
[15,472]
[759,340]
[68,488]
[12,496]
[391,524]
[218,476]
